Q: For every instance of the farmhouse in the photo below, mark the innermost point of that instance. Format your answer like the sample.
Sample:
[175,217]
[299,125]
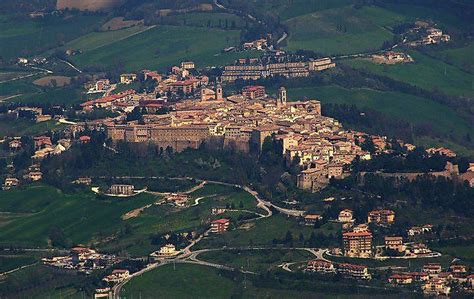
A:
[312,219]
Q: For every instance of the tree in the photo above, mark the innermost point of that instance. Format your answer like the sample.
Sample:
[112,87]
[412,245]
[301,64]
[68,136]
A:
[288,239]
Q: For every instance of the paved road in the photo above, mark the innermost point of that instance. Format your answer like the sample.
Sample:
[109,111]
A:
[261,203]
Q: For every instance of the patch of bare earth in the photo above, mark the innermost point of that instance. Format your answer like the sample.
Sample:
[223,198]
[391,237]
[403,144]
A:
[91,5]
[119,23]
[53,81]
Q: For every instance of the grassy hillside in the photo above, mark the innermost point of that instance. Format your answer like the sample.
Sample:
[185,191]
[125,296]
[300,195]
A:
[99,39]
[426,72]
[22,36]
[148,49]
[180,281]
[38,209]
[462,57]
[290,9]
[20,127]
[343,30]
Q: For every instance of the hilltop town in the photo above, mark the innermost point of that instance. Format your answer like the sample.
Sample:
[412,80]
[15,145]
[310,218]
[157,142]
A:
[181,111]
[236,149]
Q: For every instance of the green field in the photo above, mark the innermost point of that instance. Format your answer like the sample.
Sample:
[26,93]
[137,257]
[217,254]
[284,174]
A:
[81,216]
[20,127]
[94,40]
[180,281]
[66,95]
[462,57]
[343,30]
[19,87]
[40,281]
[290,9]
[425,72]
[29,214]
[465,253]
[147,50]
[10,262]
[258,261]
[22,36]
[265,231]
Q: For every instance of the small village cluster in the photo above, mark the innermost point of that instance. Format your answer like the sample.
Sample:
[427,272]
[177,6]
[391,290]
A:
[432,280]
[358,243]
[82,259]
[391,57]
[423,34]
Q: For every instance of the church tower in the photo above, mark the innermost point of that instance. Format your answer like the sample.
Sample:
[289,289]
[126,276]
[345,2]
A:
[281,102]
[218,92]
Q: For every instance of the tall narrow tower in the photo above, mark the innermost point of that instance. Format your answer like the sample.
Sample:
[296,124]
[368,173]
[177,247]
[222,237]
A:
[218,92]
[281,102]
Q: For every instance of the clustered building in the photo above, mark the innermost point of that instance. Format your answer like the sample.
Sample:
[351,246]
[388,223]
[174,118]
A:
[360,272]
[434,280]
[254,69]
[322,146]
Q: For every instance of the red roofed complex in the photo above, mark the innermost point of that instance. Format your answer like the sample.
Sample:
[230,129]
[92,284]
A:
[106,101]
[220,226]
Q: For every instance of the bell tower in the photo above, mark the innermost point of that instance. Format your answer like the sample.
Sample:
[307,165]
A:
[218,92]
[281,102]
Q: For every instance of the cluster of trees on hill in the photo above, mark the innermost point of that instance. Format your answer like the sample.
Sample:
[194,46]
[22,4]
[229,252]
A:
[22,6]
[439,193]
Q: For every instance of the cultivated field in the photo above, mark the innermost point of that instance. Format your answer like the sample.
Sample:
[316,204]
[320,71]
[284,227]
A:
[53,81]
[119,23]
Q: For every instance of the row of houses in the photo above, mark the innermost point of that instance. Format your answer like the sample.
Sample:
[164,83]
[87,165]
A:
[348,270]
